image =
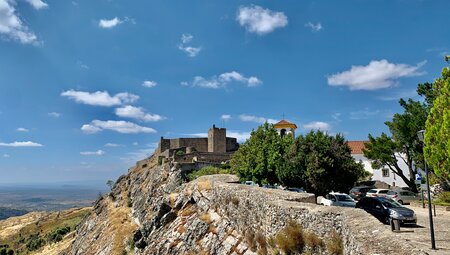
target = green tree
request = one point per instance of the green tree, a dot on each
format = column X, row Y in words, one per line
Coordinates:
column 261, row 155
column 321, row 163
column 437, row 135
column 110, row 184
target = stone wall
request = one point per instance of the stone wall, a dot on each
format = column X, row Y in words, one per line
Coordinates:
column 232, row 144
column 217, row 139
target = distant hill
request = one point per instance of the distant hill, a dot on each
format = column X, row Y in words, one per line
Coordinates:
column 6, row 212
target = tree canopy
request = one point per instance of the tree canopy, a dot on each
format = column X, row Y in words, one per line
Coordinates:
column 317, row 161
column 437, row 135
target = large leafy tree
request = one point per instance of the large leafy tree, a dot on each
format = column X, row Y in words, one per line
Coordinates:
column 261, row 156
column 437, row 135
column 321, row 163
column 403, row 145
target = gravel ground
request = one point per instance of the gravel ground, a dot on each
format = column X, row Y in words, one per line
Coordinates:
column 420, row 236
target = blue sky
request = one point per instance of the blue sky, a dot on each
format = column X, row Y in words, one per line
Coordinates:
column 88, row 87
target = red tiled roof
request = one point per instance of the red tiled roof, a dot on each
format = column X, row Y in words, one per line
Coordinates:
column 356, row 146
column 284, row 122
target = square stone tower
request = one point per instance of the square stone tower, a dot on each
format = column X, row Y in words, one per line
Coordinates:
column 217, row 139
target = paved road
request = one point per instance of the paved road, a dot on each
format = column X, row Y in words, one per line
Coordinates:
column 420, row 236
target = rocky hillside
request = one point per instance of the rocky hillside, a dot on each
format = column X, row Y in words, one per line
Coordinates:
column 153, row 210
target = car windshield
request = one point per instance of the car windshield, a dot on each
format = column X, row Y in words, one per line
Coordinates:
column 390, row 203
column 344, row 198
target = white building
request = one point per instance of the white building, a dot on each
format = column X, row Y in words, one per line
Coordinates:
column 385, row 174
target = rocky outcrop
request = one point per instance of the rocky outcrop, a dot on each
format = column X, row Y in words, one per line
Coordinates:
column 153, row 210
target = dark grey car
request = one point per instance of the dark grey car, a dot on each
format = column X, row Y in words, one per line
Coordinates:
column 386, row 209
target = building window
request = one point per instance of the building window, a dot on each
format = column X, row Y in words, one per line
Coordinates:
column 385, row 172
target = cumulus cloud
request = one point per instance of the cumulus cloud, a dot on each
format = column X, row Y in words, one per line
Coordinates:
column 149, row 84
column 314, row 27
column 109, row 23
column 189, row 50
column 240, row 136
column 261, row 21
column 317, row 125
column 37, row 4
column 225, row 117
column 112, row 145
column 120, row 126
column 100, row 98
column 377, row 74
column 12, row 27
column 21, row 144
column 92, row 153
column 252, row 118
column 221, row 81
column 54, row 114
column 21, row 129
column 138, row 113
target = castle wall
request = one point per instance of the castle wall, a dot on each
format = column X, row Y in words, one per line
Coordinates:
column 217, row 139
column 231, row 144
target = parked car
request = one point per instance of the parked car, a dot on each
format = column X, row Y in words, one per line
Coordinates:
column 293, row 189
column 377, row 193
column 336, row 199
column 402, row 196
column 250, row 183
column 385, row 210
column 359, row 192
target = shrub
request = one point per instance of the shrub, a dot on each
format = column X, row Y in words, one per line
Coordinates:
column 250, row 239
column 335, row 245
column 179, row 153
column 313, row 241
column 57, row 234
column 129, row 202
column 290, row 239
column 208, row 170
column 443, row 198
column 34, row 242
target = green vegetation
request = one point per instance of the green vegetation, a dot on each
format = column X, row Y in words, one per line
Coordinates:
column 48, row 229
column 179, row 153
column 110, row 184
column 443, row 199
column 317, row 161
column 437, row 135
column 208, row 170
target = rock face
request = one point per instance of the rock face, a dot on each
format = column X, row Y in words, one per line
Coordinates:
column 152, row 210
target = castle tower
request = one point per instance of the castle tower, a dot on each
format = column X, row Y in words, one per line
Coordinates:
column 285, row 127
column 217, row 139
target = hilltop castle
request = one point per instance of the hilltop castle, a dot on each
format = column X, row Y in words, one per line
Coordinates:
column 215, row 149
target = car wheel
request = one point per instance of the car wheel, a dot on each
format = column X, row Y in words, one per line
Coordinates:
column 400, row 201
column 387, row 220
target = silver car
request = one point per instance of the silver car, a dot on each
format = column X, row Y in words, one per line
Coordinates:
column 402, row 196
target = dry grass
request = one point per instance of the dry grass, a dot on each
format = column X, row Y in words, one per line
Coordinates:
column 206, row 217
column 290, row 239
column 181, row 229
column 188, row 211
column 120, row 226
column 262, row 243
column 204, row 185
column 173, row 198
column 313, row 241
column 250, row 240
column 335, row 245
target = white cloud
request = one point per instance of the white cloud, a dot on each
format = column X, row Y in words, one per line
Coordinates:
column 337, row 116
column 12, row 27
column 314, row 27
column 363, row 114
column 109, row 23
column 100, row 98
column 54, row 114
column 377, row 74
column 37, row 4
column 399, row 94
column 223, row 80
column 21, row 129
column 120, row 126
column 225, row 117
column 259, row 20
column 317, row 125
column 6, row 155
column 138, row 113
column 186, row 38
column 112, row 145
column 149, row 84
column 92, row 153
column 135, row 143
column 241, row 136
column 189, row 50
column 251, row 118
column 21, row 144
